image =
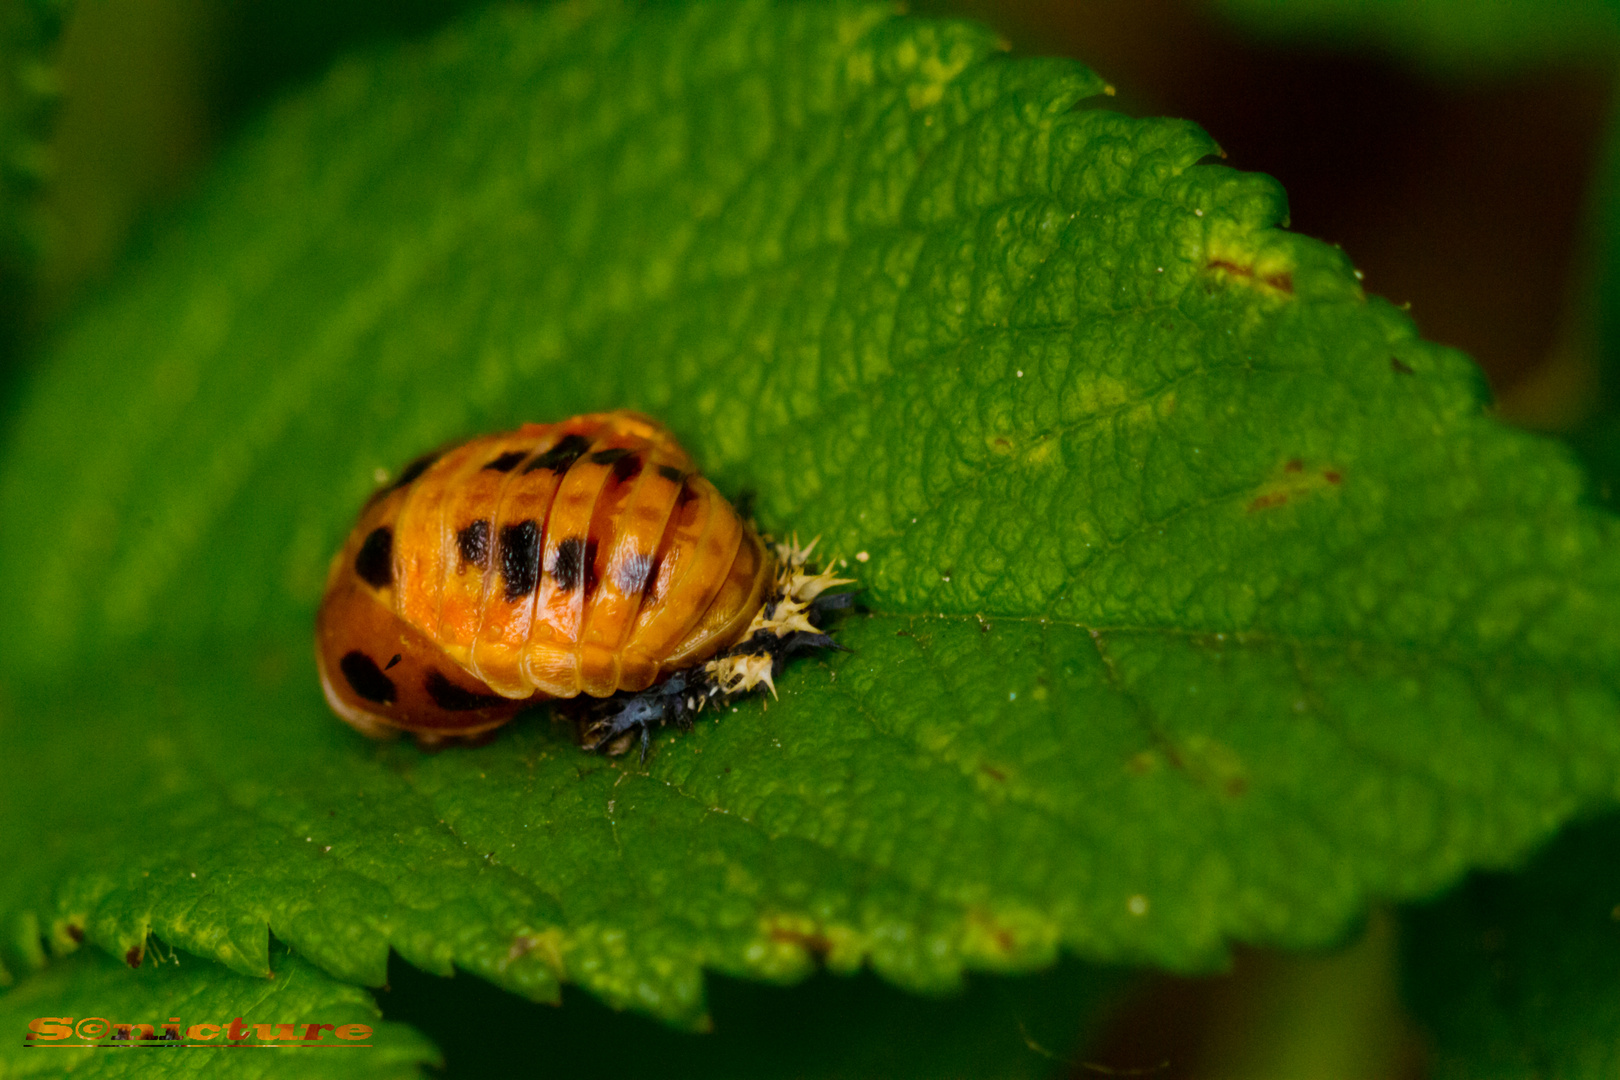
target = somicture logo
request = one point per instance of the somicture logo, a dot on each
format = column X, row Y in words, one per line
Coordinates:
column 94, row 1031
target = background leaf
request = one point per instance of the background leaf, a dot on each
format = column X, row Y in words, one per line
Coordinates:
column 1515, row 974
column 91, row 984
column 1449, row 35
column 1205, row 601
column 28, row 31
column 28, row 90
column 1597, row 437
column 826, row 1026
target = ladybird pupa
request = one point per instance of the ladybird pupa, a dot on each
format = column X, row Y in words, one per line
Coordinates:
column 582, row 558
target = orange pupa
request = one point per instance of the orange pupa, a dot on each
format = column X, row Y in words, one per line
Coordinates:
column 587, row 557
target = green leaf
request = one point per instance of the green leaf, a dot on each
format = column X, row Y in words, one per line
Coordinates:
column 1205, row 601
column 1450, row 35
column 1515, row 975
column 91, row 986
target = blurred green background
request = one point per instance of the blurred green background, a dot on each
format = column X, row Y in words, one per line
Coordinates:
column 1464, row 188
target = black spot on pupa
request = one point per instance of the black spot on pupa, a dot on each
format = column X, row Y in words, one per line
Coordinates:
column 671, row 473
column 627, row 468
column 452, row 698
column 591, row 577
column 520, row 558
column 562, row 456
column 686, row 495
column 473, row 542
column 375, row 561
column 610, row 455
column 567, row 563
column 507, row 461
column 365, row 678
column 653, row 569
column 634, row 573
column 390, row 665
column 416, row 468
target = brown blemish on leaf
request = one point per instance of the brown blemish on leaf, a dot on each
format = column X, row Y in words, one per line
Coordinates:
column 921, row 640
column 1268, row 500
column 1292, row 481
column 1399, row 366
column 547, row 945
column 991, row 771
column 75, row 932
column 987, row 930
column 1280, row 281
column 799, row 937
column 813, row 941
column 134, row 955
column 1211, row 764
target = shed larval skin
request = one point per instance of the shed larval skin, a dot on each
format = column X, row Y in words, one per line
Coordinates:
column 583, row 557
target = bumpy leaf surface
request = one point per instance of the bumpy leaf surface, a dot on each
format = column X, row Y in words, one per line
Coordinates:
column 1204, row 600
column 1515, row 974
column 91, row 986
